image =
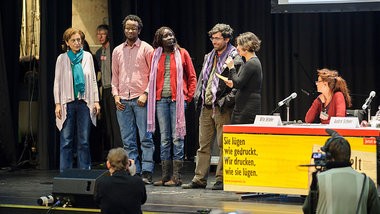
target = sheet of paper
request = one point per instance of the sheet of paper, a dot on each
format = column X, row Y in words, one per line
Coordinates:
column 221, row 77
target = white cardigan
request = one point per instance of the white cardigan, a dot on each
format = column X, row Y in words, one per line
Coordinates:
column 64, row 89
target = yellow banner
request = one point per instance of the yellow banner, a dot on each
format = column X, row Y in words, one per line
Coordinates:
column 273, row 160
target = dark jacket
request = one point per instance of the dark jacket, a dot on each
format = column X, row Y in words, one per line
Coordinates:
column 225, row 96
column 120, row 193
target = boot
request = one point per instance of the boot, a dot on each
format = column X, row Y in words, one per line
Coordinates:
column 166, row 168
column 177, row 171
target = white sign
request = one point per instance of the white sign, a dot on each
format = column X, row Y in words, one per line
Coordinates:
column 267, row 120
column 344, row 122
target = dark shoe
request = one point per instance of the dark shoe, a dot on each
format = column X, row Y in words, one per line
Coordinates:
column 173, row 182
column 193, row 185
column 218, row 186
column 147, row 177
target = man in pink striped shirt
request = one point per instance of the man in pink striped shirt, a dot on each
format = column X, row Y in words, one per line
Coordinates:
column 130, row 78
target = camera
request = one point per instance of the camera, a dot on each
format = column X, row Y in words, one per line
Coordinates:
column 319, row 158
column 45, row 200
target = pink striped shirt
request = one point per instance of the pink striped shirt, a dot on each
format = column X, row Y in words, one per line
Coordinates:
column 130, row 69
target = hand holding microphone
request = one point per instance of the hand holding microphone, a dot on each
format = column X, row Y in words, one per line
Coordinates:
column 228, row 63
column 230, row 60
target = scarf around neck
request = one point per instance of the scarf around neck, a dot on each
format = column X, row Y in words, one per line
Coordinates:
column 219, row 69
column 78, row 76
column 180, row 112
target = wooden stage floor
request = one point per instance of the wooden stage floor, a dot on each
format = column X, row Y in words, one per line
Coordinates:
column 20, row 189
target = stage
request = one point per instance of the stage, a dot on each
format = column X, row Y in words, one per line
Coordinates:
column 20, row 189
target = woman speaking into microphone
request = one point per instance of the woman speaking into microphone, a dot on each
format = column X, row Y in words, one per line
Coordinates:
column 248, row 81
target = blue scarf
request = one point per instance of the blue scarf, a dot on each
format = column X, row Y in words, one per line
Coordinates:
column 78, row 76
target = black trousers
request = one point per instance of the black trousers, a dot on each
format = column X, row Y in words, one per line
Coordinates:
column 113, row 137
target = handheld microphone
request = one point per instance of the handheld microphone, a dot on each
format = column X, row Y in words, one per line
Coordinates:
column 288, row 99
column 232, row 55
column 369, row 100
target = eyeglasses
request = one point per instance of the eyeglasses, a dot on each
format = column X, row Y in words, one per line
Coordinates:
column 131, row 28
column 75, row 40
column 215, row 38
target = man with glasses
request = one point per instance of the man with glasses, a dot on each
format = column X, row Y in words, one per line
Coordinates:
column 130, row 77
column 215, row 100
column 103, row 56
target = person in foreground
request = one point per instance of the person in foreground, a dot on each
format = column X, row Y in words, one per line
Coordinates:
column 76, row 99
column 248, row 80
column 120, row 193
column 341, row 189
column 172, row 85
column 332, row 101
column 215, row 101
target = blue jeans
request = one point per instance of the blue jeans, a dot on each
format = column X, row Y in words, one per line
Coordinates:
column 78, row 117
column 131, row 116
column 166, row 115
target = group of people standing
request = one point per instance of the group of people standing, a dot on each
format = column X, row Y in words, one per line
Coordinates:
column 141, row 83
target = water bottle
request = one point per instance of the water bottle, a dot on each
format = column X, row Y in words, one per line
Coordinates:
column 377, row 115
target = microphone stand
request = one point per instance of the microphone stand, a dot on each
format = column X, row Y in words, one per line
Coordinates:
column 369, row 112
column 275, row 110
column 287, row 111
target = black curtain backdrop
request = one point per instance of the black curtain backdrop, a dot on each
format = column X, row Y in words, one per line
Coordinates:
column 347, row 42
column 10, row 27
column 293, row 46
column 55, row 19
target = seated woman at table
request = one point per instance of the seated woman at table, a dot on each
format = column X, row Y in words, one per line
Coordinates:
column 333, row 99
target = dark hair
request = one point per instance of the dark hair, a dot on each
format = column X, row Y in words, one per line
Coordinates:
column 340, row 150
column 69, row 32
column 103, row 27
column 157, row 41
column 225, row 29
column 335, row 83
column 133, row 18
column 249, row 41
column 118, row 158
column 86, row 46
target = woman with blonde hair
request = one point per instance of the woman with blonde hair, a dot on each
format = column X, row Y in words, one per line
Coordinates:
column 332, row 101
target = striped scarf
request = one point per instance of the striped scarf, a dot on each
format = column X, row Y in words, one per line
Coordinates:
column 180, row 113
column 219, row 69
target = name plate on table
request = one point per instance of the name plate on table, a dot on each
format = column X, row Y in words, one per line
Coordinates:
column 344, row 122
column 267, row 120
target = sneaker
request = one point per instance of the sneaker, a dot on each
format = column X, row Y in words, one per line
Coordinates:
column 218, row 185
column 193, row 185
column 147, row 177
